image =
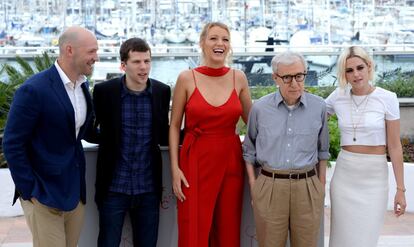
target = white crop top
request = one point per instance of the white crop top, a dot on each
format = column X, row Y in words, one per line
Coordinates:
column 365, row 125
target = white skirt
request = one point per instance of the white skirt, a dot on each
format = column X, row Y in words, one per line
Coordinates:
column 359, row 196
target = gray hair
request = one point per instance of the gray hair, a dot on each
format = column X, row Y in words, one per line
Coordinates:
column 288, row 58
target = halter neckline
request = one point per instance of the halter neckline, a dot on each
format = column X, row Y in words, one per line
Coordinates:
column 205, row 70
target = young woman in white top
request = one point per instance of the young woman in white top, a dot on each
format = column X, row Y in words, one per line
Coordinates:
column 368, row 119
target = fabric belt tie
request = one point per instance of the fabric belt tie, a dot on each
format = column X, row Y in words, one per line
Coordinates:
column 190, row 139
column 290, row 175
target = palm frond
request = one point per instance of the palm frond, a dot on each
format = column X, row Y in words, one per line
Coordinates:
column 7, row 91
column 15, row 77
column 26, row 69
column 12, row 72
column 2, row 69
column 42, row 62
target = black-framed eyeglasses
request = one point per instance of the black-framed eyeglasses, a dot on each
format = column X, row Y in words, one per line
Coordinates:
column 287, row 79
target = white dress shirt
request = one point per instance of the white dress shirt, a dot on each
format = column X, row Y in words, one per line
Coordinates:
column 76, row 96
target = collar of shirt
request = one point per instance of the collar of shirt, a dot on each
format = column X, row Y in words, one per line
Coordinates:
column 125, row 91
column 65, row 79
column 279, row 99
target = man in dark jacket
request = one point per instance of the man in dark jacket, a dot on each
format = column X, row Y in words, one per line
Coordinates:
column 131, row 123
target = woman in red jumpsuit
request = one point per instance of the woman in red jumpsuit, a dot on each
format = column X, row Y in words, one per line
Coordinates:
column 208, row 170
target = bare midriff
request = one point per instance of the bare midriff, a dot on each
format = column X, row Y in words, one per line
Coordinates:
column 365, row 149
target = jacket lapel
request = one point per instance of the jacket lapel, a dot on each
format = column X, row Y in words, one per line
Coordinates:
column 62, row 95
column 155, row 98
column 88, row 99
column 116, row 109
column 89, row 112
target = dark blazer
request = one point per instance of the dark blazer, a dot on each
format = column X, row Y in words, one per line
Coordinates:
column 44, row 155
column 107, row 104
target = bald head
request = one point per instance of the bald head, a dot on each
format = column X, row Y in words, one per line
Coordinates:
column 77, row 52
column 74, row 35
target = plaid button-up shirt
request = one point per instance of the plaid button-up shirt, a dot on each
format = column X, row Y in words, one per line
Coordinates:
column 134, row 172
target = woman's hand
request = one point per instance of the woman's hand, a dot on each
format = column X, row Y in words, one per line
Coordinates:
column 178, row 178
column 399, row 203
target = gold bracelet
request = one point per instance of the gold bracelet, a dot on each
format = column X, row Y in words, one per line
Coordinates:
column 402, row 189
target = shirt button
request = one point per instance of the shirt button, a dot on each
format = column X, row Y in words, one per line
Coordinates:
column 290, row 129
column 287, row 161
column 290, row 114
column 288, row 144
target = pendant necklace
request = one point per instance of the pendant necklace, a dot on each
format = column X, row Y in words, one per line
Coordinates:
column 353, row 102
column 357, row 105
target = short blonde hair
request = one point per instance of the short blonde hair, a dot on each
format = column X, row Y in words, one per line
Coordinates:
column 204, row 34
column 353, row 51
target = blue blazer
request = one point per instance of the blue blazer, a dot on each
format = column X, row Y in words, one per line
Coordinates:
column 45, row 157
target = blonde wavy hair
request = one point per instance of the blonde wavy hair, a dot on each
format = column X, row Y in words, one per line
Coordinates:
column 203, row 36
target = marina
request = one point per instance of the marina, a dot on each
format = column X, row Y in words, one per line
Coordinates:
column 259, row 29
column 319, row 29
column 170, row 22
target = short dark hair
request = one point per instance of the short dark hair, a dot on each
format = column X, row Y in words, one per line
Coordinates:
column 133, row 44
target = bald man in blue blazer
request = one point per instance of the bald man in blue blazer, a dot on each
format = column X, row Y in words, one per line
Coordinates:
column 49, row 116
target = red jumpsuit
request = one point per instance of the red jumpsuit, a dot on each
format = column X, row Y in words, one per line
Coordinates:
column 211, row 159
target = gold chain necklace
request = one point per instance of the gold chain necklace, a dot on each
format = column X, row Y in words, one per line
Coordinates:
column 355, row 125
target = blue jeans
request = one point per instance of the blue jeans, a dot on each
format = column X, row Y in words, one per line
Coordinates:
column 144, row 213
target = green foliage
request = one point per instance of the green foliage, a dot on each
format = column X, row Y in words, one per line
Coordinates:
column 408, row 149
column 401, row 84
column 323, row 92
column 3, row 162
column 25, row 67
column 43, row 62
column 259, row 91
column 15, row 77
column 6, row 96
column 334, row 137
column 241, row 127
